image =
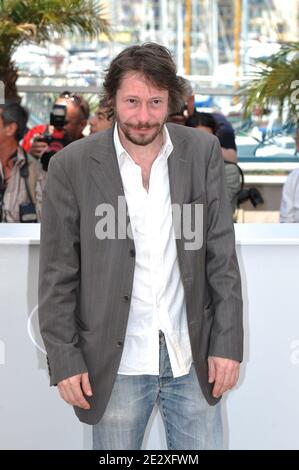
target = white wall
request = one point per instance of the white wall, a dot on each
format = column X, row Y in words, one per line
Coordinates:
column 262, row 413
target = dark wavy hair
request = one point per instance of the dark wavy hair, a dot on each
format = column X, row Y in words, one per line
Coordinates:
column 149, row 59
column 202, row 119
column 14, row 112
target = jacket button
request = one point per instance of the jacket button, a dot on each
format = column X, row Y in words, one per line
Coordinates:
column 132, row 252
column 126, row 298
column 120, row 344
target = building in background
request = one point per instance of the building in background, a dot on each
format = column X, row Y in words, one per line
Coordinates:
column 214, row 43
column 202, row 35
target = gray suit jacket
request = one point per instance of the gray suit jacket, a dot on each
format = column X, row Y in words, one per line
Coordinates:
column 85, row 283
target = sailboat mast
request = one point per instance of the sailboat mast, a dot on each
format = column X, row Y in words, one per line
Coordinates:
column 188, row 25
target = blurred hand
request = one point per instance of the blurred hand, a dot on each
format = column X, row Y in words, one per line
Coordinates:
column 224, row 373
column 38, row 148
column 73, row 389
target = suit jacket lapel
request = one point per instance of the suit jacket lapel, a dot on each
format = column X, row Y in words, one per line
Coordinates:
column 105, row 171
column 178, row 169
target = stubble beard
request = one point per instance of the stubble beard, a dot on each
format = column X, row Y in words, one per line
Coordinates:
column 142, row 140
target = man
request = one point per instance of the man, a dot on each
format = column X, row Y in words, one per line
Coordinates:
column 226, row 136
column 234, row 178
column 186, row 105
column 18, row 171
column 133, row 314
column 77, row 114
column 101, row 120
column 225, row 131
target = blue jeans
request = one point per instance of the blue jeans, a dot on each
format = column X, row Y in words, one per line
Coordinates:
column 190, row 422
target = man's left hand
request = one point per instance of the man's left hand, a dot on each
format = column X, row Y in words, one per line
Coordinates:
column 224, row 373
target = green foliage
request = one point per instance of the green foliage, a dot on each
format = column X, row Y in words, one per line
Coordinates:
column 272, row 82
column 36, row 21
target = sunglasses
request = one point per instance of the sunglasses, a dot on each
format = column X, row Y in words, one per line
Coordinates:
column 78, row 100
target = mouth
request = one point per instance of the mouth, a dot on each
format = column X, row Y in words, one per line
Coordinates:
column 142, row 129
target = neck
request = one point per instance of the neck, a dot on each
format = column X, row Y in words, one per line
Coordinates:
column 7, row 149
column 142, row 154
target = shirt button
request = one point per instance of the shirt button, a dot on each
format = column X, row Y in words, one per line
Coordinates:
column 126, row 298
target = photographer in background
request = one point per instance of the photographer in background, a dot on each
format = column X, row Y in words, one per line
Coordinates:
column 179, row 116
column 234, row 178
column 101, row 120
column 68, row 119
column 224, row 131
column 18, row 171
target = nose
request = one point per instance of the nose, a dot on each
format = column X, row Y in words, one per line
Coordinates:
column 143, row 114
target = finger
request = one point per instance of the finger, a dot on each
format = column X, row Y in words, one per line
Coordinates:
column 41, row 147
column 235, row 377
column 86, row 385
column 79, row 399
column 70, row 390
column 212, row 370
column 62, row 394
column 66, row 393
column 219, row 380
column 227, row 381
column 37, row 151
column 230, row 378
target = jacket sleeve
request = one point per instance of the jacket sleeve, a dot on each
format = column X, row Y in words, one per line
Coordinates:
column 59, row 275
column 222, row 269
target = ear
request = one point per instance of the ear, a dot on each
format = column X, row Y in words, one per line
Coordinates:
column 190, row 105
column 11, row 129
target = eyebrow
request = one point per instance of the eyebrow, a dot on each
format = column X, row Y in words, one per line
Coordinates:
column 151, row 98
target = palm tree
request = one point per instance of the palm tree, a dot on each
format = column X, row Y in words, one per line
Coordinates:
column 276, row 81
column 35, row 21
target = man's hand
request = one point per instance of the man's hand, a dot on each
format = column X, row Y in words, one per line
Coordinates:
column 38, row 147
column 224, row 372
column 73, row 388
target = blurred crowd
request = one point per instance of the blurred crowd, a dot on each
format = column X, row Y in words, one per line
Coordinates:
column 25, row 153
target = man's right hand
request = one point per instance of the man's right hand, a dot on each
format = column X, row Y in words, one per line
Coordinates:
column 73, row 389
column 38, row 147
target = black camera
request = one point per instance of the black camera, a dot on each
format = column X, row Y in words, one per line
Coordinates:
column 57, row 139
column 251, row 194
column 58, row 116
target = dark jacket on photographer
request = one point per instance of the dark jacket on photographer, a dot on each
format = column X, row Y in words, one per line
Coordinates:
column 29, row 136
column 20, row 193
column 234, row 182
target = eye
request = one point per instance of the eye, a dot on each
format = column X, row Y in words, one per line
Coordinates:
column 156, row 103
column 131, row 100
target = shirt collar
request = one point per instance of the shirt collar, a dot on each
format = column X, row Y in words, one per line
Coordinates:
column 121, row 152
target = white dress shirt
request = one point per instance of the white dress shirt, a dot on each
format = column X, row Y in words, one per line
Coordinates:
column 289, row 208
column 158, row 300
